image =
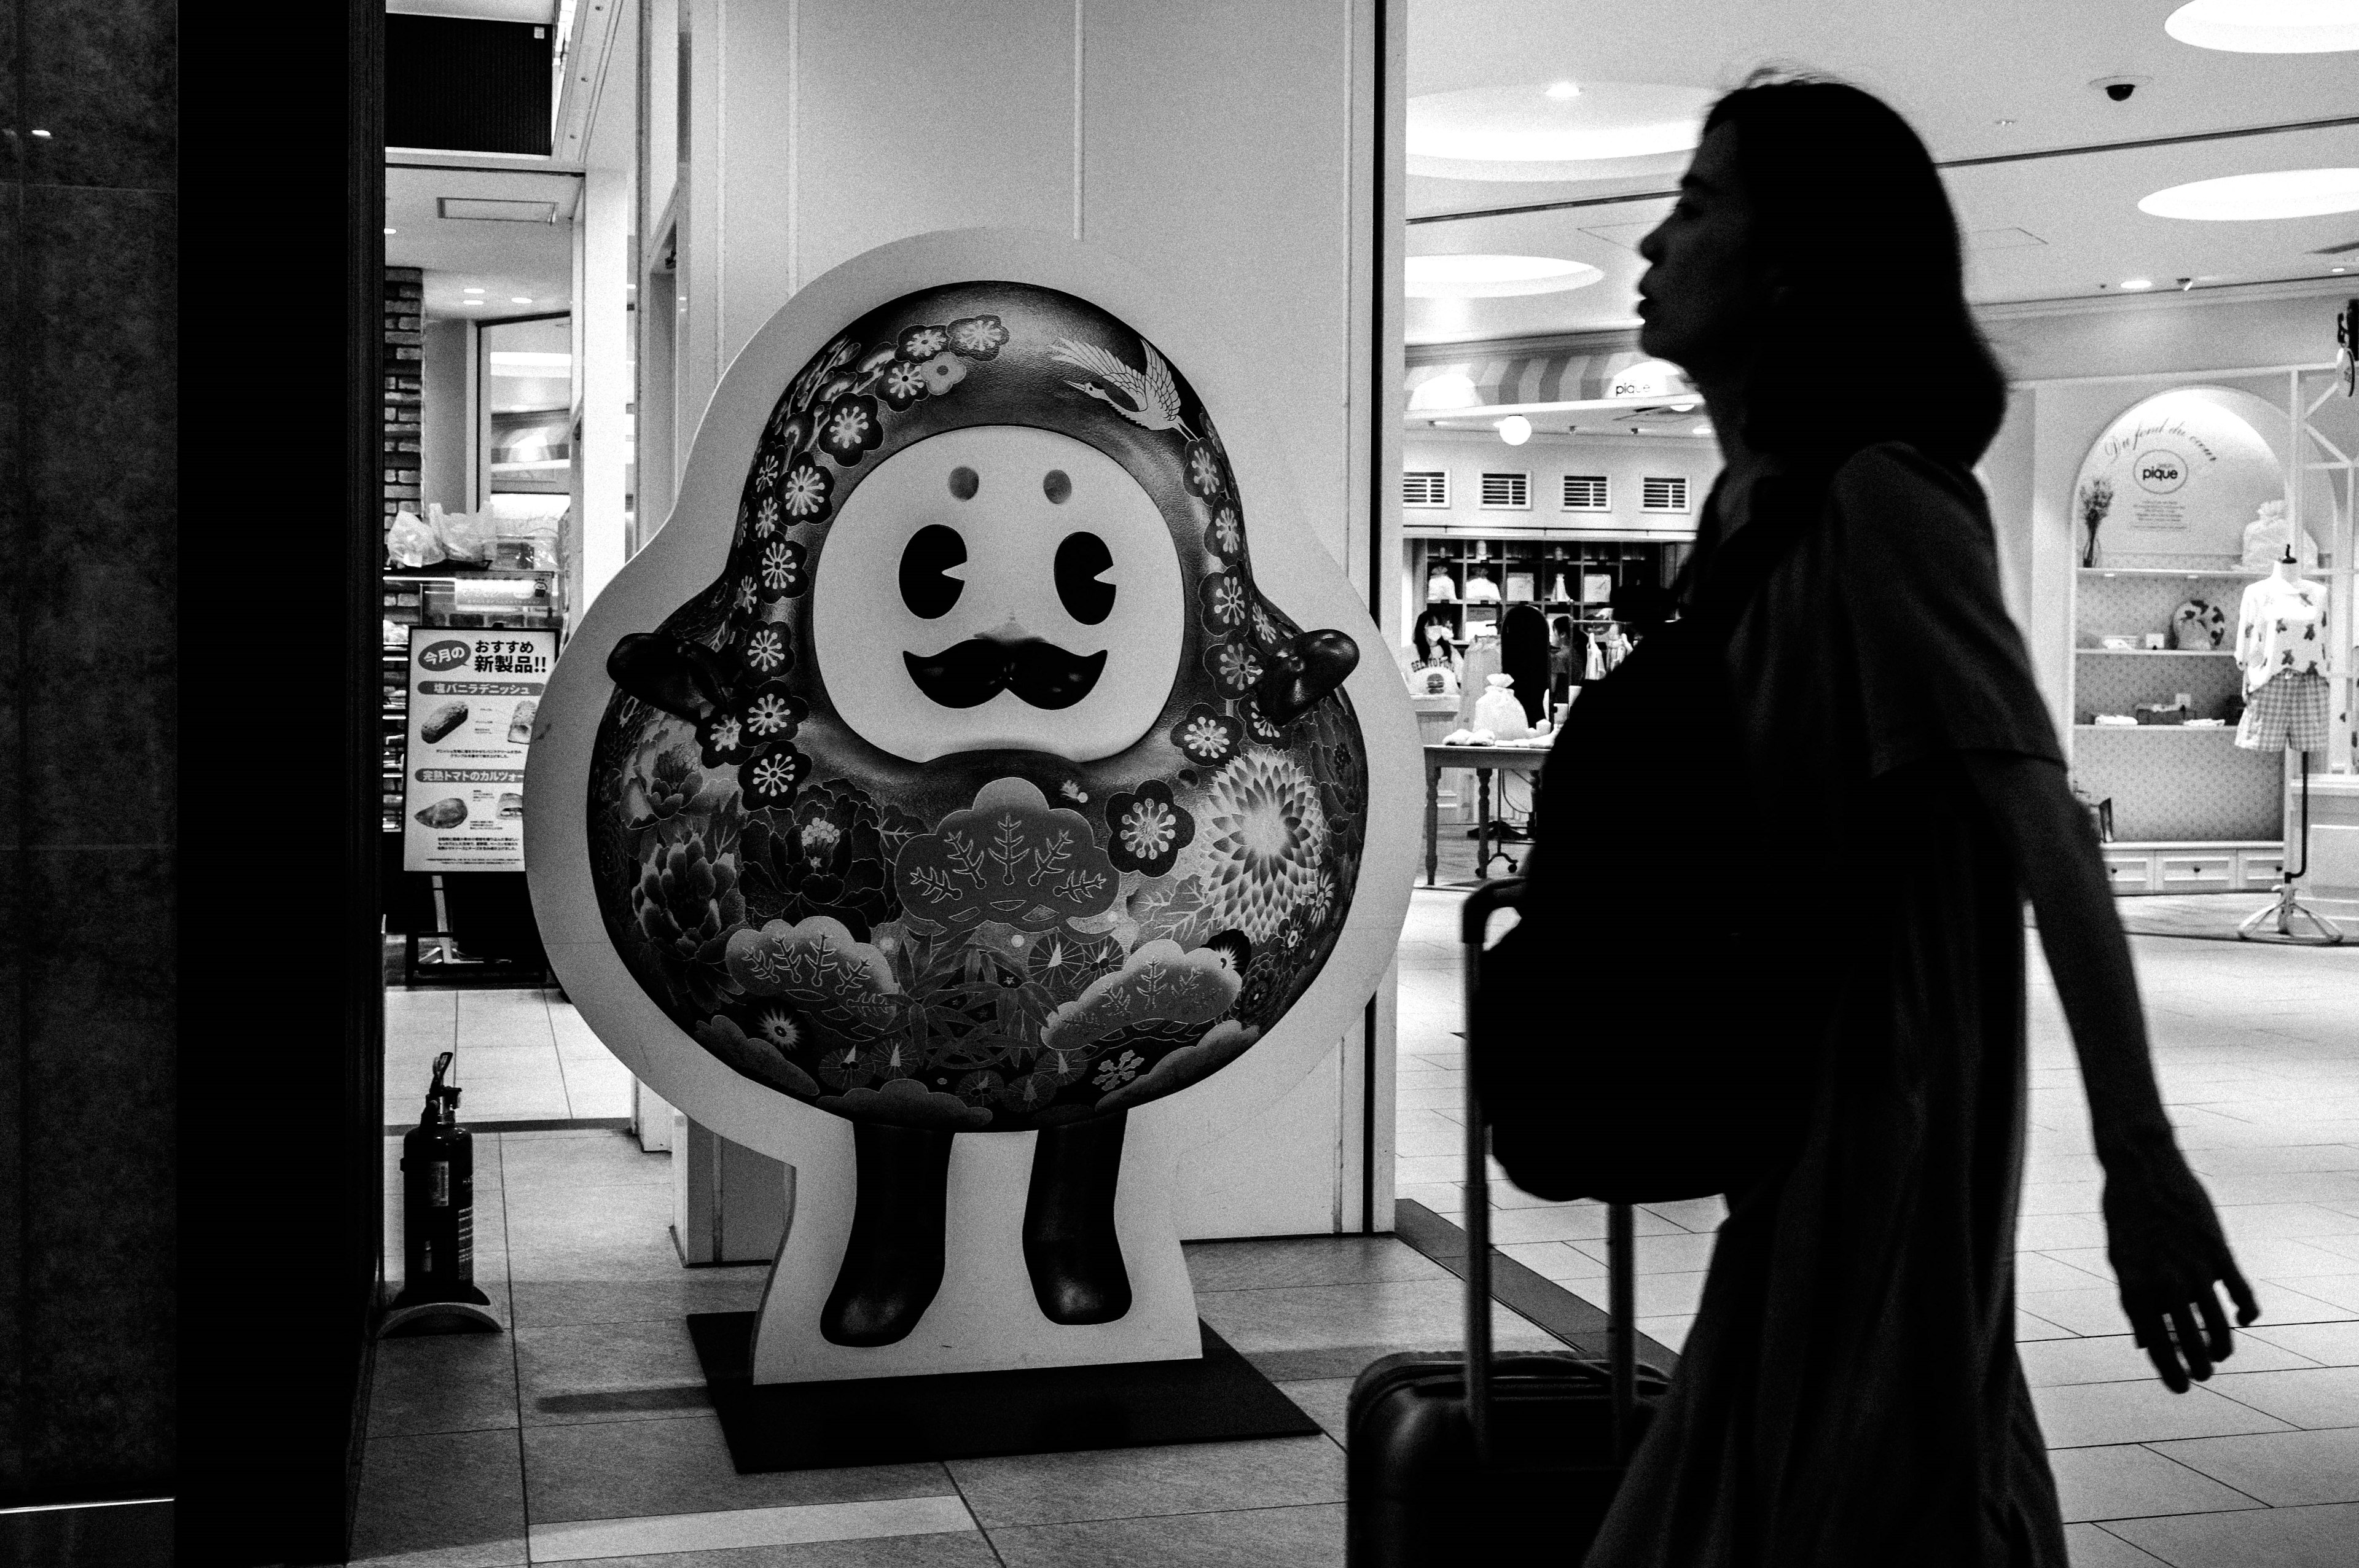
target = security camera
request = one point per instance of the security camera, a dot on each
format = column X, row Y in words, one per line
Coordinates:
column 2118, row 88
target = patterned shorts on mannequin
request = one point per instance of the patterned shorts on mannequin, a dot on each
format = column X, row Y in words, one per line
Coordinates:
column 2286, row 715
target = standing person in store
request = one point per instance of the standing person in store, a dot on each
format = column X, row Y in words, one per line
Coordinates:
column 1524, row 658
column 1849, row 1391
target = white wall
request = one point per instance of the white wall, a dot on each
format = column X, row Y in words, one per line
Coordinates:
column 1225, row 144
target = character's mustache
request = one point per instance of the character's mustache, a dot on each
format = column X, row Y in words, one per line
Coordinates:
column 969, row 674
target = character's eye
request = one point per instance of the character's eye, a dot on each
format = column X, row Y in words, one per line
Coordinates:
column 965, row 482
column 1081, row 559
column 1056, row 484
column 931, row 559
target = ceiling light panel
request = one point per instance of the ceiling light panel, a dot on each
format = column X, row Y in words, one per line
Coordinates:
column 2267, row 26
column 2251, row 198
column 1532, row 132
column 491, row 210
column 1484, row 276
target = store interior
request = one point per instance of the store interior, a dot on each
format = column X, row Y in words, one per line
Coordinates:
column 2177, row 423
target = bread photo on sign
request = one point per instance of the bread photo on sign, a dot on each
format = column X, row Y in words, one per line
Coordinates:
column 442, row 721
column 448, row 812
column 520, row 721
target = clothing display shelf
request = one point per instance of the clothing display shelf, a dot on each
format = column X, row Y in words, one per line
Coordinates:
column 1543, row 563
column 2193, row 812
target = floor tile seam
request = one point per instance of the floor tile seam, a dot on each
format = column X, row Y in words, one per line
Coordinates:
column 1175, row 1513
column 967, row 1503
column 2149, row 1446
column 515, row 1354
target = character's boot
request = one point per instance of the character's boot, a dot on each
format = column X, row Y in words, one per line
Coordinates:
column 1070, row 1247
column 893, row 1264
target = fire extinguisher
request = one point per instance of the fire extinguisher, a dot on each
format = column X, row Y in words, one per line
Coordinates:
column 438, row 1210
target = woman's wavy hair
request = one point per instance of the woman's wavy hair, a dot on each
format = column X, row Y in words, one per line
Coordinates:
column 1848, row 211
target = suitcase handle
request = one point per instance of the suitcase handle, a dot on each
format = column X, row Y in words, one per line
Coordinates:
column 1474, row 923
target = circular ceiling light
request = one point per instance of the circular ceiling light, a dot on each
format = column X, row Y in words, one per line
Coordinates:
column 1493, row 277
column 1536, row 130
column 2267, row 26
column 2245, row 198
column 2138, row 283
column 1515, row 429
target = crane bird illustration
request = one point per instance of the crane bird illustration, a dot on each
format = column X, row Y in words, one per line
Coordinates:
column 1153, row 396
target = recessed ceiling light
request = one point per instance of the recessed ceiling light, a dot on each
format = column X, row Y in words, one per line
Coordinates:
column 43, row 134
column 470, row 290
column 391, row 230
column 471, row 302
column 1493, row 277
column 2267, row 26
column 2138, row 283
column 519, row 298
column 2247, row 198
column 1537, row 132
column 2002, row 121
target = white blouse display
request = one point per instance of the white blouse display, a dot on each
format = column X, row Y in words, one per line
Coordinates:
column 2281, row 629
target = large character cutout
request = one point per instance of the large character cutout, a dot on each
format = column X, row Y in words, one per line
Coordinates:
column 983, row 791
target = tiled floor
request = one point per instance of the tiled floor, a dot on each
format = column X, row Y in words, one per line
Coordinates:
column 583, row 1432
column 522, row 1055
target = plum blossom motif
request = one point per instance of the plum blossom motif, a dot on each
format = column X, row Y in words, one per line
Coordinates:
column 1235, row 666
column 806, row 490
column 805, row 388
column 942, row 373
column 1207, row 737
column 766, row 649
column 1117, row 1070
column 747, row 595
column 850, row 427
column 1222, row 536
column 782, row 568
column 722, row 739
column 1265, row 625
column 779, row 1027
column 1149, row 830
column 924, row 342
column 977, row 337
column 773, row 713
column 1223, row 599
column 765, row 517
column 904, row 383
column 766, row 473
column 1203, row 470
column 770, row 782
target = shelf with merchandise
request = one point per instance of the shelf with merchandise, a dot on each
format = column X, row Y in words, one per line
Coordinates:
column 2192, row 574
column 2156, row 652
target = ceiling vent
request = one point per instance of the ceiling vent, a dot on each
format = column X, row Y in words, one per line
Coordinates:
column 1663, row 493
column 1425, row 487
column 1587, row 492
column 1507, row 492
column 487, row 210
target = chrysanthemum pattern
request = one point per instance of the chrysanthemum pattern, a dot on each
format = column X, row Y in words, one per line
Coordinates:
column 1268, row 839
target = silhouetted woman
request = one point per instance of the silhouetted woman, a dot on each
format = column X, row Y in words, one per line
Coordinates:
column 1849, row 1391
column 1524, row 658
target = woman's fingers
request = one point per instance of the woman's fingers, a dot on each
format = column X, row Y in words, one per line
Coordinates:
column 2248, row 1310
column 2191, row 1343
column 2215, row 1325
column 2155, row 1339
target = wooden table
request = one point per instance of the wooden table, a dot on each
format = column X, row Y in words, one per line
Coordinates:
column 1525, row 758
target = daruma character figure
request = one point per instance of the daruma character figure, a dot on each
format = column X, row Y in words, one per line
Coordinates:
column 983, row 791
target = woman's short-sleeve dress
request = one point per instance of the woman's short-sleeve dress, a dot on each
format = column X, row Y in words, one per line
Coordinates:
column 1849, row 1391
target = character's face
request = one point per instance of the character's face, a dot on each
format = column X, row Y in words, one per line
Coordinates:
column 999, row 587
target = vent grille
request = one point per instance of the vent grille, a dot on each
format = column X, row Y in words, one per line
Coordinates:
column 1586, row 492
column 1507, row 491
column 1658, row 493
column 1425, row 487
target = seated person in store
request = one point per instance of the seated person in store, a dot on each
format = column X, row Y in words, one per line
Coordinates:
column 1850, row 1392
column 1430, row 648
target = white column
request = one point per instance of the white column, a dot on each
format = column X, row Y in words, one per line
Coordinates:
column 601, row 310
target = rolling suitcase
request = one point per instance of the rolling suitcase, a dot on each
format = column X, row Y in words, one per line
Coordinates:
column 1493, row 1459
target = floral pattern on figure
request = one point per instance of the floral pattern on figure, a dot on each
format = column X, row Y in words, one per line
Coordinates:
column 993, row 938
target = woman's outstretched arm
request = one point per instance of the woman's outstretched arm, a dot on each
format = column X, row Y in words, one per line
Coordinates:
column 2165, row 1241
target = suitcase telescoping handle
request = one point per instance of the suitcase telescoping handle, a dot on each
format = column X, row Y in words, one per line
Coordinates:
column 1474, row 923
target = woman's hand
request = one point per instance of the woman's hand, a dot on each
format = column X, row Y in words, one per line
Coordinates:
column 2169, row 1254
